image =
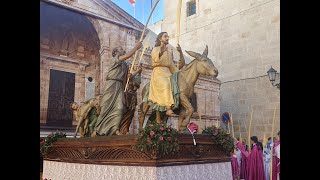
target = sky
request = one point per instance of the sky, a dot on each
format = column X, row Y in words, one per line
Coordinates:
column 142, row 10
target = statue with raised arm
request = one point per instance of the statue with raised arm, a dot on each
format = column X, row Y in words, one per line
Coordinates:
column 162, row 94
column 113, row 102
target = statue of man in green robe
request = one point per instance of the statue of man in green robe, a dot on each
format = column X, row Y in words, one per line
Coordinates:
column 113, row 102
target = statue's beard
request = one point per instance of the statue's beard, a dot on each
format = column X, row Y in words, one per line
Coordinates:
column 165, row 42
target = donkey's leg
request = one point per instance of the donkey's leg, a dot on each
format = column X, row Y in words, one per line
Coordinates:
column 187, row 105
column 182, row 115
column 81, row 131
column 144, row 110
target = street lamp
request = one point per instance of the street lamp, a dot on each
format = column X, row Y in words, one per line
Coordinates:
column 272, row 77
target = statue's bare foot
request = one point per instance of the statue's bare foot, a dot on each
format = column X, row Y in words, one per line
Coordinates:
column 169, row 112
column 185, row 123
column 118, row 132
column 182, row 129
column 94, row 134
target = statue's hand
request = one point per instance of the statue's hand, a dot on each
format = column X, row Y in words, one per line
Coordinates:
column 139, row 45
column 129, row 75
column 179, row 48
column 139, row 69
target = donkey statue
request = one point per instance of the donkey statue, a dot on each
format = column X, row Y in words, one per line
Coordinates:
column 187, row 78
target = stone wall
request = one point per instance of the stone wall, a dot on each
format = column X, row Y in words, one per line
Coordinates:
column 256, row 95
column 115, row 36
column 243, row 36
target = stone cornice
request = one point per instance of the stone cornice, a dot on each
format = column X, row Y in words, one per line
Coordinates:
column 62, row 58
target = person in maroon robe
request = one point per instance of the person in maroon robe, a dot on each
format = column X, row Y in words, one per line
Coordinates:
column 234, row 166
column 275, row 160
column 244, row 155
column 255, row 161
column 244, row 143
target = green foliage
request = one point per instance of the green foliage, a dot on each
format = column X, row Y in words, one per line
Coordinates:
column 220, row 136
column 159, row 139
column 49, row 140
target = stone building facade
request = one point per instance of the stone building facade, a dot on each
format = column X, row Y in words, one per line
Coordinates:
column 243, row 37
column 76, row 41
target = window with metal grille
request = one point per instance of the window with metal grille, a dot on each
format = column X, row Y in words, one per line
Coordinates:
column 191, row 8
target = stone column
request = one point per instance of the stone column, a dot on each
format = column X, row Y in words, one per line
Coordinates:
column 105, row 54
column 82, row 82
column 97, row 78
column 44, row 89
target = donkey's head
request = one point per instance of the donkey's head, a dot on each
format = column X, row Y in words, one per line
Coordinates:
column 204, row 65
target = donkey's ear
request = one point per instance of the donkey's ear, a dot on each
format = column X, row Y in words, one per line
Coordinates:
column 194, row 54
column 205, row 52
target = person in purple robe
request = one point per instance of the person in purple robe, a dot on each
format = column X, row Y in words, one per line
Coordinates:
column 276, row 159
column 255, row 161
column 244, row 155
column 244, row 143
column 234, row 166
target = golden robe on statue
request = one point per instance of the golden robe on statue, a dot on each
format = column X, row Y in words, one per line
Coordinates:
column 160, row 91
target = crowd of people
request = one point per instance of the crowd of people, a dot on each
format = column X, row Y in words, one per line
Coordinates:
column 260, row 162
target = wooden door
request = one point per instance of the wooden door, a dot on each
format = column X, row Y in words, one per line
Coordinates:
column 61, row 95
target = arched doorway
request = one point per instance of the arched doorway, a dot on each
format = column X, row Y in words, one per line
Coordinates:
column 70, row 64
